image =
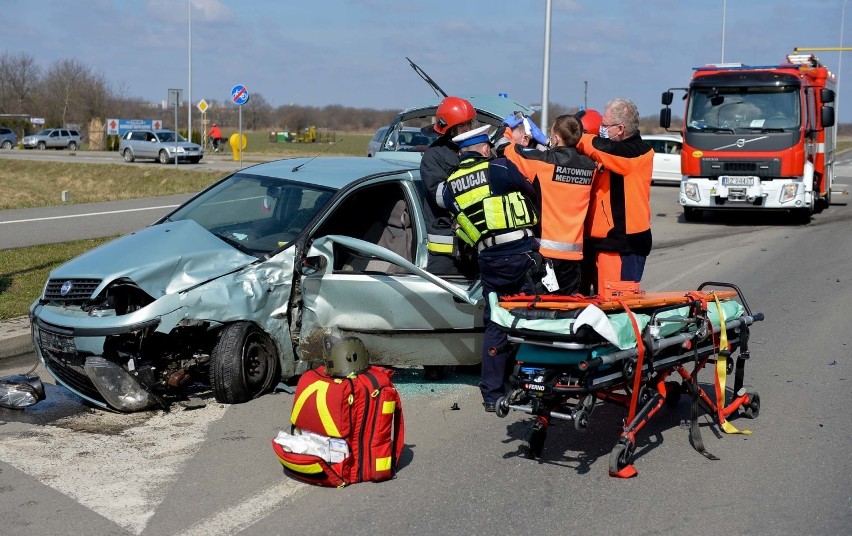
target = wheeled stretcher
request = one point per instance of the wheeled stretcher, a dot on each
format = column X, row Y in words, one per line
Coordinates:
column 574, row 352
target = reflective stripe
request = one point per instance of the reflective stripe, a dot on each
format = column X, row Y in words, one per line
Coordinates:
column 439, row 243
column 560, row 246
column 321, row 389
column 310, row 469
column 493, row 240
column 383, row 464
column 389, row 406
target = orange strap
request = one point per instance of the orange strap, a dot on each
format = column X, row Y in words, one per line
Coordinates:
column 640, row 359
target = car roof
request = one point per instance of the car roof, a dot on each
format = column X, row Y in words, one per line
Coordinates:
column 331, row 172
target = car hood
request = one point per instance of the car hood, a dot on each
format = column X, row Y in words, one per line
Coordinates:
column 161, row 259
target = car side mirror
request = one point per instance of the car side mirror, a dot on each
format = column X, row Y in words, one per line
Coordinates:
column 313, row 265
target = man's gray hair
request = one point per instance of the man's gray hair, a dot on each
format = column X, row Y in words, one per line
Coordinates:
column 624, row 112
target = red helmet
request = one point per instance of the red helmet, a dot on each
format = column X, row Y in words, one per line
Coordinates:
column 451, row 112
column 591, row 121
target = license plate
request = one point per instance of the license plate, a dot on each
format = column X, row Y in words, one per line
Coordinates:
column 737, row 181
column 57, row 343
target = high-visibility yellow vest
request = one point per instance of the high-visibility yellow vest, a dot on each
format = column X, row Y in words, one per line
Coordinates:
column 481, row 212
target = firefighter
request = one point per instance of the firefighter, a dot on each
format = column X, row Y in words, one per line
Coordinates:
column 453, row 117
column 563, row 181
column 494, row 212
column 619, row 219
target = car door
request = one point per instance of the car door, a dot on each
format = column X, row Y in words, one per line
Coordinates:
column 666, row 160
column 54, row 139
column 402, row 313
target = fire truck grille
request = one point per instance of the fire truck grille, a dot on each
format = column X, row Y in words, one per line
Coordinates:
column 765, row 169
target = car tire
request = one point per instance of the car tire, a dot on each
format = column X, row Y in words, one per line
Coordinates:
column 243, row 364
column 128, row 156
column 163, row 157
column 7, row 144
column 41, row 146
column 72, row 146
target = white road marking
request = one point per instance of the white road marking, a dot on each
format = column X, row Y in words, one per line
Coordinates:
column 121, row 466
column 255, row 508
column 89, row 214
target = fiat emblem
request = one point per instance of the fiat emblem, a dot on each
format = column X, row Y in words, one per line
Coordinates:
column 66, row 288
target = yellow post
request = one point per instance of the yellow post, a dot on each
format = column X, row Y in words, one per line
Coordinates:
column 237, row 145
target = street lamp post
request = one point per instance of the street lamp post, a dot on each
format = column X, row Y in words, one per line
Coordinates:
column 546, row 77
column 840, row 61
column 189, row 98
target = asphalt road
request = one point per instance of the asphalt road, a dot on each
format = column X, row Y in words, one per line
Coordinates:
column 68, row 469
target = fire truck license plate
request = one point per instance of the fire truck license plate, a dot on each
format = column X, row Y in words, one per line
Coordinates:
column 737, row 181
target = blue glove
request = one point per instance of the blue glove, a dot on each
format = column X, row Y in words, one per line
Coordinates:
column 512, row 120
column 536, row 133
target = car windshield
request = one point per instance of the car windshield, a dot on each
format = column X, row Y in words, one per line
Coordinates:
column 257, row 215
column 740, row 110
column 44, row 133
column 409, row 139
column 169, row 136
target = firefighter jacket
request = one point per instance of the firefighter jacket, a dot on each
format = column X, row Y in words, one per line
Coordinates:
column 563, row 180
column 493, row 205
column 438, row 162
column 620, row 211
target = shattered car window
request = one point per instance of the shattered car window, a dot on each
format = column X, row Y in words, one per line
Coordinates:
column 255, row 214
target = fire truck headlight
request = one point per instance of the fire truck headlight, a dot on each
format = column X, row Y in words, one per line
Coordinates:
column 690, row 190
column 788, row 193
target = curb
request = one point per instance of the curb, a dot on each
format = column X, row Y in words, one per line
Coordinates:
column 15, row 338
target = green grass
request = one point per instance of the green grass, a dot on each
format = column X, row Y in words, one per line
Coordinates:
column 24, row 271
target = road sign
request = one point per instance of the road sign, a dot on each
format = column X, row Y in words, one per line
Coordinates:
column 202, row 106
column 175, row 97
column 239, row 94
column 121, row 126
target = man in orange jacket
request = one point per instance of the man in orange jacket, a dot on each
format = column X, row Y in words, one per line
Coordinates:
column 618, row 227
column 563, row 181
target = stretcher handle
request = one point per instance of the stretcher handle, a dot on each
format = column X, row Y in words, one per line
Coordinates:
column 731, row 286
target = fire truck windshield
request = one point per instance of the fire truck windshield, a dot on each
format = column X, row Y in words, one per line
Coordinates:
column 743, row 109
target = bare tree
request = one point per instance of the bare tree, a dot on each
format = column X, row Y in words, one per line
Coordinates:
column 19, row 81
column 257, row 112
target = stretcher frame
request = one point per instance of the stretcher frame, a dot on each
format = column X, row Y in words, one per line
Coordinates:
column 635, row 378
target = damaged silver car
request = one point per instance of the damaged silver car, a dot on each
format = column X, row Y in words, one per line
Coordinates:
column 235, row 288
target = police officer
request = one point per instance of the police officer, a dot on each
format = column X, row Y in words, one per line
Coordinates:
column 620, row 212
column 563, row 179
column 494, row 212
column 453, row 117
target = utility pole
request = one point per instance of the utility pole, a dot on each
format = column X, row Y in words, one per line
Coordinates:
column 546, row 78
column 585, row 94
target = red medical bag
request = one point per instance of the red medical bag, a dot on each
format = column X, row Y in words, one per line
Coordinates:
column 364, row 410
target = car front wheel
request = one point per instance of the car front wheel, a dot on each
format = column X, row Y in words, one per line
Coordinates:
column 164, row 157
column 72, row 146
column 128, row 156
column 243, row 364
column 41, row 146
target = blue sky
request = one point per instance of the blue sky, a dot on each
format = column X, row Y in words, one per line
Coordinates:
column 353, row 53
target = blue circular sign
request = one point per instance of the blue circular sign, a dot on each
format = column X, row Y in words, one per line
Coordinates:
column 240, row 94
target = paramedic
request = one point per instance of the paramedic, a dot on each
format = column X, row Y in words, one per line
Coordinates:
column 563, row 181
column 216, row 135
column 620, row 211
column 477, row 194
column 453, row 117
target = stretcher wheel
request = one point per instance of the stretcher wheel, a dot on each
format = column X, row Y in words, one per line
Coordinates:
column 629, row 369
column 581, row 420
column 534, row 441
column 673, row 392
column 501, row 408
column 621, row 455
column 729, row 365
column 753, row 408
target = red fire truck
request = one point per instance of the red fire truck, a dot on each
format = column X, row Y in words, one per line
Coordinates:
column 757, row 138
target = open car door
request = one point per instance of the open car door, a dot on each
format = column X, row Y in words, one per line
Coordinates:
column 404, row 315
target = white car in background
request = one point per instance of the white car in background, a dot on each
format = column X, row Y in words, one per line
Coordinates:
column 667, row 148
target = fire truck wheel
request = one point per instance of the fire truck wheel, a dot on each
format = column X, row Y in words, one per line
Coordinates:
column 672, row 394
column 692, row 214
column 621, row 455
column 753, row 408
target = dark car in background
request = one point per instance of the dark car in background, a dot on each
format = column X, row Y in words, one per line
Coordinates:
column 163, row 146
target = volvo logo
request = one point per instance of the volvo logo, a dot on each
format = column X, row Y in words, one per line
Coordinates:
column 66, row 288
column 741, row 142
